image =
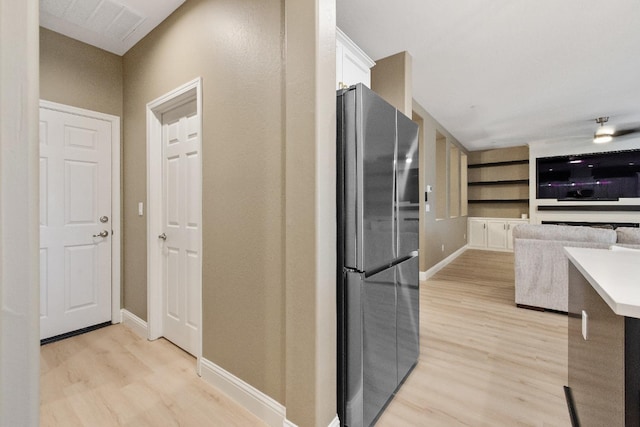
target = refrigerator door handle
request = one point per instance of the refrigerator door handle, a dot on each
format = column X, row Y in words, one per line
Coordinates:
column 396, row 202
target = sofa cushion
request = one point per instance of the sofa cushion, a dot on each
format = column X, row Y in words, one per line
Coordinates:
column 565, row 233
column 628, row 235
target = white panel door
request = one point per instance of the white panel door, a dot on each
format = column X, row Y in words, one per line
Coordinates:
column 181, row 216
column 75, row 193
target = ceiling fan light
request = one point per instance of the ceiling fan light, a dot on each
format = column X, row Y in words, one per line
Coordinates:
column 602, row 138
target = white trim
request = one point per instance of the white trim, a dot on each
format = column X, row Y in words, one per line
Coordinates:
column 135, row 323
column 116, row 236
column 354, row 48
column 155, row 108
column 252, row 399
column 424, row 275
column 334, row 423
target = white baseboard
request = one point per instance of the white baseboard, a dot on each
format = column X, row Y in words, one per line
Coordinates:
column 424, row 275
column 334, row 423
column 252, row 399
column 136, row 324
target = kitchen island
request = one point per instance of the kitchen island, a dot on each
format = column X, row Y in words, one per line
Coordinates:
column 604, row 337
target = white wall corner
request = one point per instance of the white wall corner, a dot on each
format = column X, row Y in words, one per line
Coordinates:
column 252, row 399
column 442, row 264
column 135, row 323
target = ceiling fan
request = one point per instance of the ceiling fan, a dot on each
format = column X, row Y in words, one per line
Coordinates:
column 606, row 134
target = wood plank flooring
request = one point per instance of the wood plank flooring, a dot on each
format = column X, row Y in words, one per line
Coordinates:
column 483, row 362
column 111, row 377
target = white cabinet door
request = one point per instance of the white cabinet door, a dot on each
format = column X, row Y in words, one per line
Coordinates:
column 496, row 234
column 478, row 233
column 354, row 70
column 352, row 64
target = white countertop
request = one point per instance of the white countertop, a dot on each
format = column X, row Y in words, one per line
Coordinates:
column 615, row 275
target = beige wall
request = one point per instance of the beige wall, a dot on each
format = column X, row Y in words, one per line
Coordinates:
column 450, row 232
column 236, row 48
column 310, row 214
column 268, row 179
column 77, row 74
column 269, row 187
column 392, row 78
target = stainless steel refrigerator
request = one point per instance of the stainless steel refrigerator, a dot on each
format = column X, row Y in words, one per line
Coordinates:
column 378, row 298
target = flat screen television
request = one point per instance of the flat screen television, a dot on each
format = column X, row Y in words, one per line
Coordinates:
column 606, row 176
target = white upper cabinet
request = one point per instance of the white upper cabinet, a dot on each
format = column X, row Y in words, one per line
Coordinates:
column 352, row 64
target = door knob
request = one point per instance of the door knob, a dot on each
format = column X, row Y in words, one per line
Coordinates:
column 103, row 233
column 162, row 236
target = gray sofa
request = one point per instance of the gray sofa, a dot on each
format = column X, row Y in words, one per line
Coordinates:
column 541, row 266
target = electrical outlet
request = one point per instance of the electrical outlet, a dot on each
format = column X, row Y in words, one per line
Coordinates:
column 585, row 319
column 464, row 236
column 443, row 247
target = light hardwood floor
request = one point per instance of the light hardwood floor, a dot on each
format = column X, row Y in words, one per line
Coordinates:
column 112, row 377
column 483, row 362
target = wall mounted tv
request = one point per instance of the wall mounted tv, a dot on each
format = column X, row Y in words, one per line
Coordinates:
column 606, row 176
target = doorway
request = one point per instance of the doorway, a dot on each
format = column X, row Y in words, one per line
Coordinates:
column 79, row 219
column 174, row 144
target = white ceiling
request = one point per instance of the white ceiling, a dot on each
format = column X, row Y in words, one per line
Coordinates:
column 113, row 25
column 494, row 73
column 499, row 73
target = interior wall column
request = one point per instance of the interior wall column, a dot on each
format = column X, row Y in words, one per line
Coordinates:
column 19, row 223
column 310, row 229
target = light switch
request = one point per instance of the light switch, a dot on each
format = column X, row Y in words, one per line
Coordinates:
column 585, row 318
column 140, row 209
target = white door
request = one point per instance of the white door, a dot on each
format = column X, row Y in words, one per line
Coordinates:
column 75, row 222
column 181, row 228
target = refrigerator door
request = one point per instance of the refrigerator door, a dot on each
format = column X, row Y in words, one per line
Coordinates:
column 408, row 208
column 408, row 316
column 380, row 369
column 372, row 374
column 368, row 146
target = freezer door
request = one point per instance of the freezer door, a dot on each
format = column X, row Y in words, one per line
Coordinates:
column 380, row 369
column 350, row 363
column 408, row 208
column 369, row 146
column 371, row 361
column 408, row 316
